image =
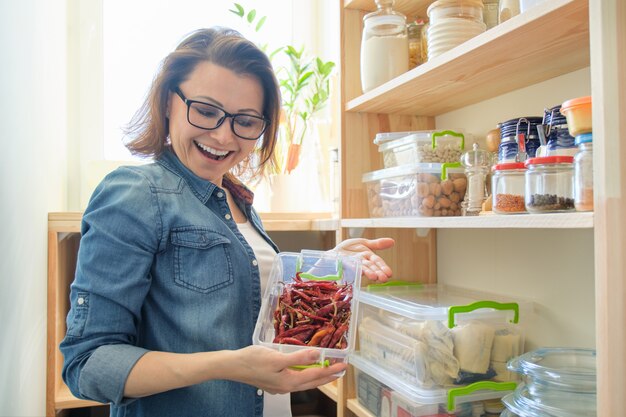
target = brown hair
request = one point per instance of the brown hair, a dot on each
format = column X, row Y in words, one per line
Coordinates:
column 222, row 46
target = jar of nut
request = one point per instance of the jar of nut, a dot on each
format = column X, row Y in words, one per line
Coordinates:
column 550, row 184
column 509, row 187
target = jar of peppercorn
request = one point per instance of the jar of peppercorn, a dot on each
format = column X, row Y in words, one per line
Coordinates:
column 550, row 184
column 508, row 185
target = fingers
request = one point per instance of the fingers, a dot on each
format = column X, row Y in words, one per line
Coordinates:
column 379, row 244
column 376, row 269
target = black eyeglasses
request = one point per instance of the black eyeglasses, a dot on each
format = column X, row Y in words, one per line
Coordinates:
column 209, row 117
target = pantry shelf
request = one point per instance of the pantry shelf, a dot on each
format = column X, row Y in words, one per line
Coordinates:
column 489, row 221
column 503, row 59
column 356, row 407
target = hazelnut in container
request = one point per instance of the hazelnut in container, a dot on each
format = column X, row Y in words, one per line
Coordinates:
column 430, row 190
column 311, row 303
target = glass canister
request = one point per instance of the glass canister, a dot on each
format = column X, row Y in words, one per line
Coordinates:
column 509, row 188
column 490, row 13
column 550, row 184
column 519, row 139
column 583, row 173
column 558, row 139
column 384, row 46
column 414, row 33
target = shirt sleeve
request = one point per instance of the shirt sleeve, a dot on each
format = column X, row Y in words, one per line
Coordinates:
column 121, row 233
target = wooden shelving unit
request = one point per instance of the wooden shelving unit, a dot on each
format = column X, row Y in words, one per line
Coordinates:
column 552, row 39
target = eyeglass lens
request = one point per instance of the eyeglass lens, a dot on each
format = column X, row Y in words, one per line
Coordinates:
column 209, row 117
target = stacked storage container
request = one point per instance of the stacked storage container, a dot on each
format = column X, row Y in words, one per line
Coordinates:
column 436, row 350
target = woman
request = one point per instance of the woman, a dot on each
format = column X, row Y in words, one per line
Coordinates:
column 172, row 255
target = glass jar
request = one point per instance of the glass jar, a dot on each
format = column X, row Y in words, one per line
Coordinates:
column 476, row 163
column 550, row 184
column 490, row 13
column 452, row 22
column 384, row 46
column 507, row 9
column 509, row 188
column 583, row 173
column 414, row 33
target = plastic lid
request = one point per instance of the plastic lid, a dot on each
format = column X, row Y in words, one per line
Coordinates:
column 550, row 160
column 411, row 169
column 383, row 137
column 509, row 165
column 584, row 138
column 576, row 102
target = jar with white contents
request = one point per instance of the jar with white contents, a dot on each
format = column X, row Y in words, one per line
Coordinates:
column 384, row 46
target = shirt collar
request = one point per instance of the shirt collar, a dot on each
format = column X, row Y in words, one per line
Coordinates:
column 201, row 187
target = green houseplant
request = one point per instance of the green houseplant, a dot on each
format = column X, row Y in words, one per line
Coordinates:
column 305, row 88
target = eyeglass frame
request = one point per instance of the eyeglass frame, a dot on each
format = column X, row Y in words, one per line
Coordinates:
column 188, row 102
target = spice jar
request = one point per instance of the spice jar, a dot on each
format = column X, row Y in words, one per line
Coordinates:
column 384, row 46
column 509, row 188
column 583, row 173
column 550, row 184
column 414, row 33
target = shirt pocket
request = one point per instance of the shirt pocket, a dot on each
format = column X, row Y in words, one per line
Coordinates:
column 202, row 260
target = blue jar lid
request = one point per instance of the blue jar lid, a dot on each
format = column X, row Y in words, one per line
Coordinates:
column 584, row 138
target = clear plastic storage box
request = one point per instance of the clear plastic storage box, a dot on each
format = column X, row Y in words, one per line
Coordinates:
column 427, row 146
column 439, row 336
column 416, row 190
column 319, row 284
column 393, row 397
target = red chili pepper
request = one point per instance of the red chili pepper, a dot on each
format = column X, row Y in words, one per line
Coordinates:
column 290, row 341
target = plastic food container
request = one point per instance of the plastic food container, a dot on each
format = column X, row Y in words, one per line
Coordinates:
column 311, row 267
column 416, row 190
column 550, row 184
column 434, row 336
column 397, row 398
column 428, row 146
column 578, row 114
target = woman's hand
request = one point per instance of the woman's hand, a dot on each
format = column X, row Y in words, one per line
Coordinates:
column 373, row 266
column 271, row 370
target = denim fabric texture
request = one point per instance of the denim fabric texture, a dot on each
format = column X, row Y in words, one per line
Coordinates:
column 161, row 266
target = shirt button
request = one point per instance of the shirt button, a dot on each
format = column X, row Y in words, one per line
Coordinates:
column 259, row 392
column 81, row 301
column 254, row 262
column 220, row 194
column 227, row 217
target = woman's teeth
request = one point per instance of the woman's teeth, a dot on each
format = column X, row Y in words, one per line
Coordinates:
column 212, row 153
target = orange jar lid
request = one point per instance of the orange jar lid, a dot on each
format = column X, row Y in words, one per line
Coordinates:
column 576, row 102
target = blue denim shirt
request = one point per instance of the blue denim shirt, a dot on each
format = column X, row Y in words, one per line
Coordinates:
column 161, row 266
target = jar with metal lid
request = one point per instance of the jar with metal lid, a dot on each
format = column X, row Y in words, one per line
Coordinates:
column 550, row 184
column 384, row 46
column 509, row 188
column 414, row 33
column 583, row 173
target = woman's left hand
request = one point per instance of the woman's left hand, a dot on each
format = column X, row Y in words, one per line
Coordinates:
column 373, row 266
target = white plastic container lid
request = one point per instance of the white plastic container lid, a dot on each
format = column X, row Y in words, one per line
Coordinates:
column 438, row 302
column 381, row 138
column 485, row 390
column 413, row 169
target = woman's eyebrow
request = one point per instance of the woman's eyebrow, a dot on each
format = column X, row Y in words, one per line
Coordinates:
column 217, row 103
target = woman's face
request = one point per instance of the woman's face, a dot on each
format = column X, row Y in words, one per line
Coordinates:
column 212, row 153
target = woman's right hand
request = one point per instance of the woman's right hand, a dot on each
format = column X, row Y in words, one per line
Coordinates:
column 271, row 370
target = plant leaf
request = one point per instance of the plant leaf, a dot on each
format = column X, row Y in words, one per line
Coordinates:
column 260, row 23
column 251, row 15
column 239, row 12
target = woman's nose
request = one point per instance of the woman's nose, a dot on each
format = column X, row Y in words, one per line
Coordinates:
column 224, row 133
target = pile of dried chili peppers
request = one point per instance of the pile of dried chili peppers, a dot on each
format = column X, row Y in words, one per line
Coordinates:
column 313, row 313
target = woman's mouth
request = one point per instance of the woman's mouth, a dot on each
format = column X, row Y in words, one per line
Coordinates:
column 211, row 153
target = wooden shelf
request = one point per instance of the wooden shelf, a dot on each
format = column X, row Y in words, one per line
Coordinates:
column 410, row 8
column 546, row 41
column 64, row 399
column 355, row 406
column 489, row 221
column 273, row 222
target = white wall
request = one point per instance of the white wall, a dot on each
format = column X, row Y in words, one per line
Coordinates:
column 32, row 182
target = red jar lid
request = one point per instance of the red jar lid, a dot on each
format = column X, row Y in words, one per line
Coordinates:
column 508, row 165
column 561, row 159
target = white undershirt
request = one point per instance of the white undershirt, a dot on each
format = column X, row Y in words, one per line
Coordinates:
column 278, row 405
